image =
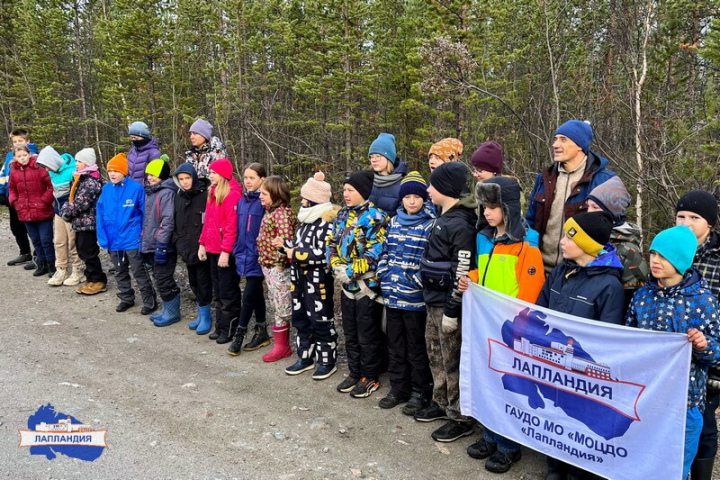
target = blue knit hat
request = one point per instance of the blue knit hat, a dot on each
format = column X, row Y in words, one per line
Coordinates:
column 413, row 184
column 140, row 129
column 384, row 145
column 579, row 132
column 678, row 245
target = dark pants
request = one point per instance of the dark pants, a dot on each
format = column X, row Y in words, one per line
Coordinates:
column 226, row 288
column 409, row 367
column 253, row 300
column 313, row 318
column 89, row 253
column 361, row 323
column 200, row 282
column 709, row 435
column 132, row 260
column 164, row 275
column 19, row 232
column 41, row 234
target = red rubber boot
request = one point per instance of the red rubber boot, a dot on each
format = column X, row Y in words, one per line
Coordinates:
column 281, row 344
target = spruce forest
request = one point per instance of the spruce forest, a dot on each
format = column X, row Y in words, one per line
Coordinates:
column 302, row 85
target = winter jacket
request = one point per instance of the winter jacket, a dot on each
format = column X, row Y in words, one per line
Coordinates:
column 449, row 254
column 220, row 228
column 159, row 218
column 356, row 243
column 385, row 193
column 707, row 263
column 189, row 214
column 31, row 191
column 399, row 267
column 142, row 153
column 626, row 238
column 5, row 172
column 203, row 156
column 61, row 172
column 593, row 291
column 250, row 214
column 280, row 222
column 543, row 192
column 689, row 304
column 120, row 215
column 81, row 209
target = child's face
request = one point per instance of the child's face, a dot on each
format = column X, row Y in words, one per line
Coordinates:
column 196, row 139
column 80, row 165
column 351, row 196
column 115, row 177
column 436, row 197
column 18, row 141
column 265, row 198
column 481, row 175
column 136, row 138
column 592, row 206
column 434, row 161
column 662, row 269
column 22, row 157
column 214, row 178
column 570, row 249
column 379, row 164
column 153, row 180
column 494, row 216
column 699, row 226
column 251, row 180
column 412, row 203
column 185, row 180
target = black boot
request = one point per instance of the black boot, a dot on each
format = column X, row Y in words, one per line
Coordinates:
column 260, row 339
column 702, row 469
column 51, row 269
column 236, row 345
column 42, row 268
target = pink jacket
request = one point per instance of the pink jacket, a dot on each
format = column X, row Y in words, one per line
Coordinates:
column 220, row 226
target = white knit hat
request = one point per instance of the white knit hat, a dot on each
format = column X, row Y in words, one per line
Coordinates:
column 86, row 156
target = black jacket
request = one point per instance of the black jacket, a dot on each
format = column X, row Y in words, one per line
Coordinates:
column 189, row 216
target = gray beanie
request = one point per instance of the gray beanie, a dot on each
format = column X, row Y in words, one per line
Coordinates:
column 202, row 127
column 86, row 156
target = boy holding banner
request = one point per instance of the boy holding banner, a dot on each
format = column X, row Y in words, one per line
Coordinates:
column 676, row 299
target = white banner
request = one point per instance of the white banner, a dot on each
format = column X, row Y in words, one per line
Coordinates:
column 608, row 399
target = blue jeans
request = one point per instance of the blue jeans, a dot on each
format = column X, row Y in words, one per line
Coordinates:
column 693, row 427
column 504, row 445
column 41, row 234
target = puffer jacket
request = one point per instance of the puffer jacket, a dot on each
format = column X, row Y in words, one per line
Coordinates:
column 120, row 215
column 626, row 238
column 593, row 291
column 159, row 218
column 399, row 267
column 356, row 243
column 385, row 193
column 142, row 153
column 189, row 214
column 202, row 157
column 250, row 214
column 31, row 191
column 280, row 222
column 220, row 228
column 689, row 304
column 61, row 172
column 5, row 172
column 81, row 209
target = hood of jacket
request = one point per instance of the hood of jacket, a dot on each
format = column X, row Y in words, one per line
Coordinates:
column 689, row 286
column 49, row 157
column 465, row 203
column 406, row 220
column 626, row 232
column 190, row 170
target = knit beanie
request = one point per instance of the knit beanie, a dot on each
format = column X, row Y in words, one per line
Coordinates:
column 413, row 184
column 158, row 168
column 316, row 189
column 140, row 129
column 86, row 156
column 579, row 132
column 450, row 179
column 118, row 163
column 701, row 202
column 488, row 157
column 677, row 245
column 222, row 167
column 448, row 149
column 612, row 197
column 361, row 181
column 202, row 127
column 384, row 145
column 590, row 231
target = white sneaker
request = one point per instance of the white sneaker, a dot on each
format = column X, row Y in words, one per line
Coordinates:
column 75, row 278
column 60, row 275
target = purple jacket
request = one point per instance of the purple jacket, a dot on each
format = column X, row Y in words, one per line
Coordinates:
column 139, row 157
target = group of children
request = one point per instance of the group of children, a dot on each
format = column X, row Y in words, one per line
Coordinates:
column 402, row 269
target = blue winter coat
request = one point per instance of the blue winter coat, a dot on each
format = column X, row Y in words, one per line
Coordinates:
column 593, row 291
column 399, row 267
column 689, row 304
column 61, row 172
column 139, row 157
column 5, row 173
column 387, row 198
column 159, row 220
column 249, row 216
column 120, row 215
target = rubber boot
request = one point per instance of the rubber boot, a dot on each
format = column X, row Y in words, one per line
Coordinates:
column 260, row 339
column 702, row 469
column 154, row 317
column 205, row 316
column 281, row 344
column 194, row 324
column 236, row 346
column 171, row 313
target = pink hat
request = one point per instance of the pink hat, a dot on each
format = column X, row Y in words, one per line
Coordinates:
column 222, row 167
column 316, row 189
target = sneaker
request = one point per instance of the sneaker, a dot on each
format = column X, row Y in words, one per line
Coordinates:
column 481, row 449
column 31, row 265
column 324, row 371
column 417, row 401
column 61, row 274
column 501, row 462
column 75, row 278
column 302, row 365
column 348, row 384
column 92, row 288
column 124, row 306
column 20, row 259
column 391, row 401
column 431, row 413
column 364, row 388
column 451, row 431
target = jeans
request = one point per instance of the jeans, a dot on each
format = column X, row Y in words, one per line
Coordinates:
column 41, row 234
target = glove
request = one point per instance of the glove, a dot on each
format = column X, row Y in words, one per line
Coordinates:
column 449, row 325
column 161, row 253
column 341, row 275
